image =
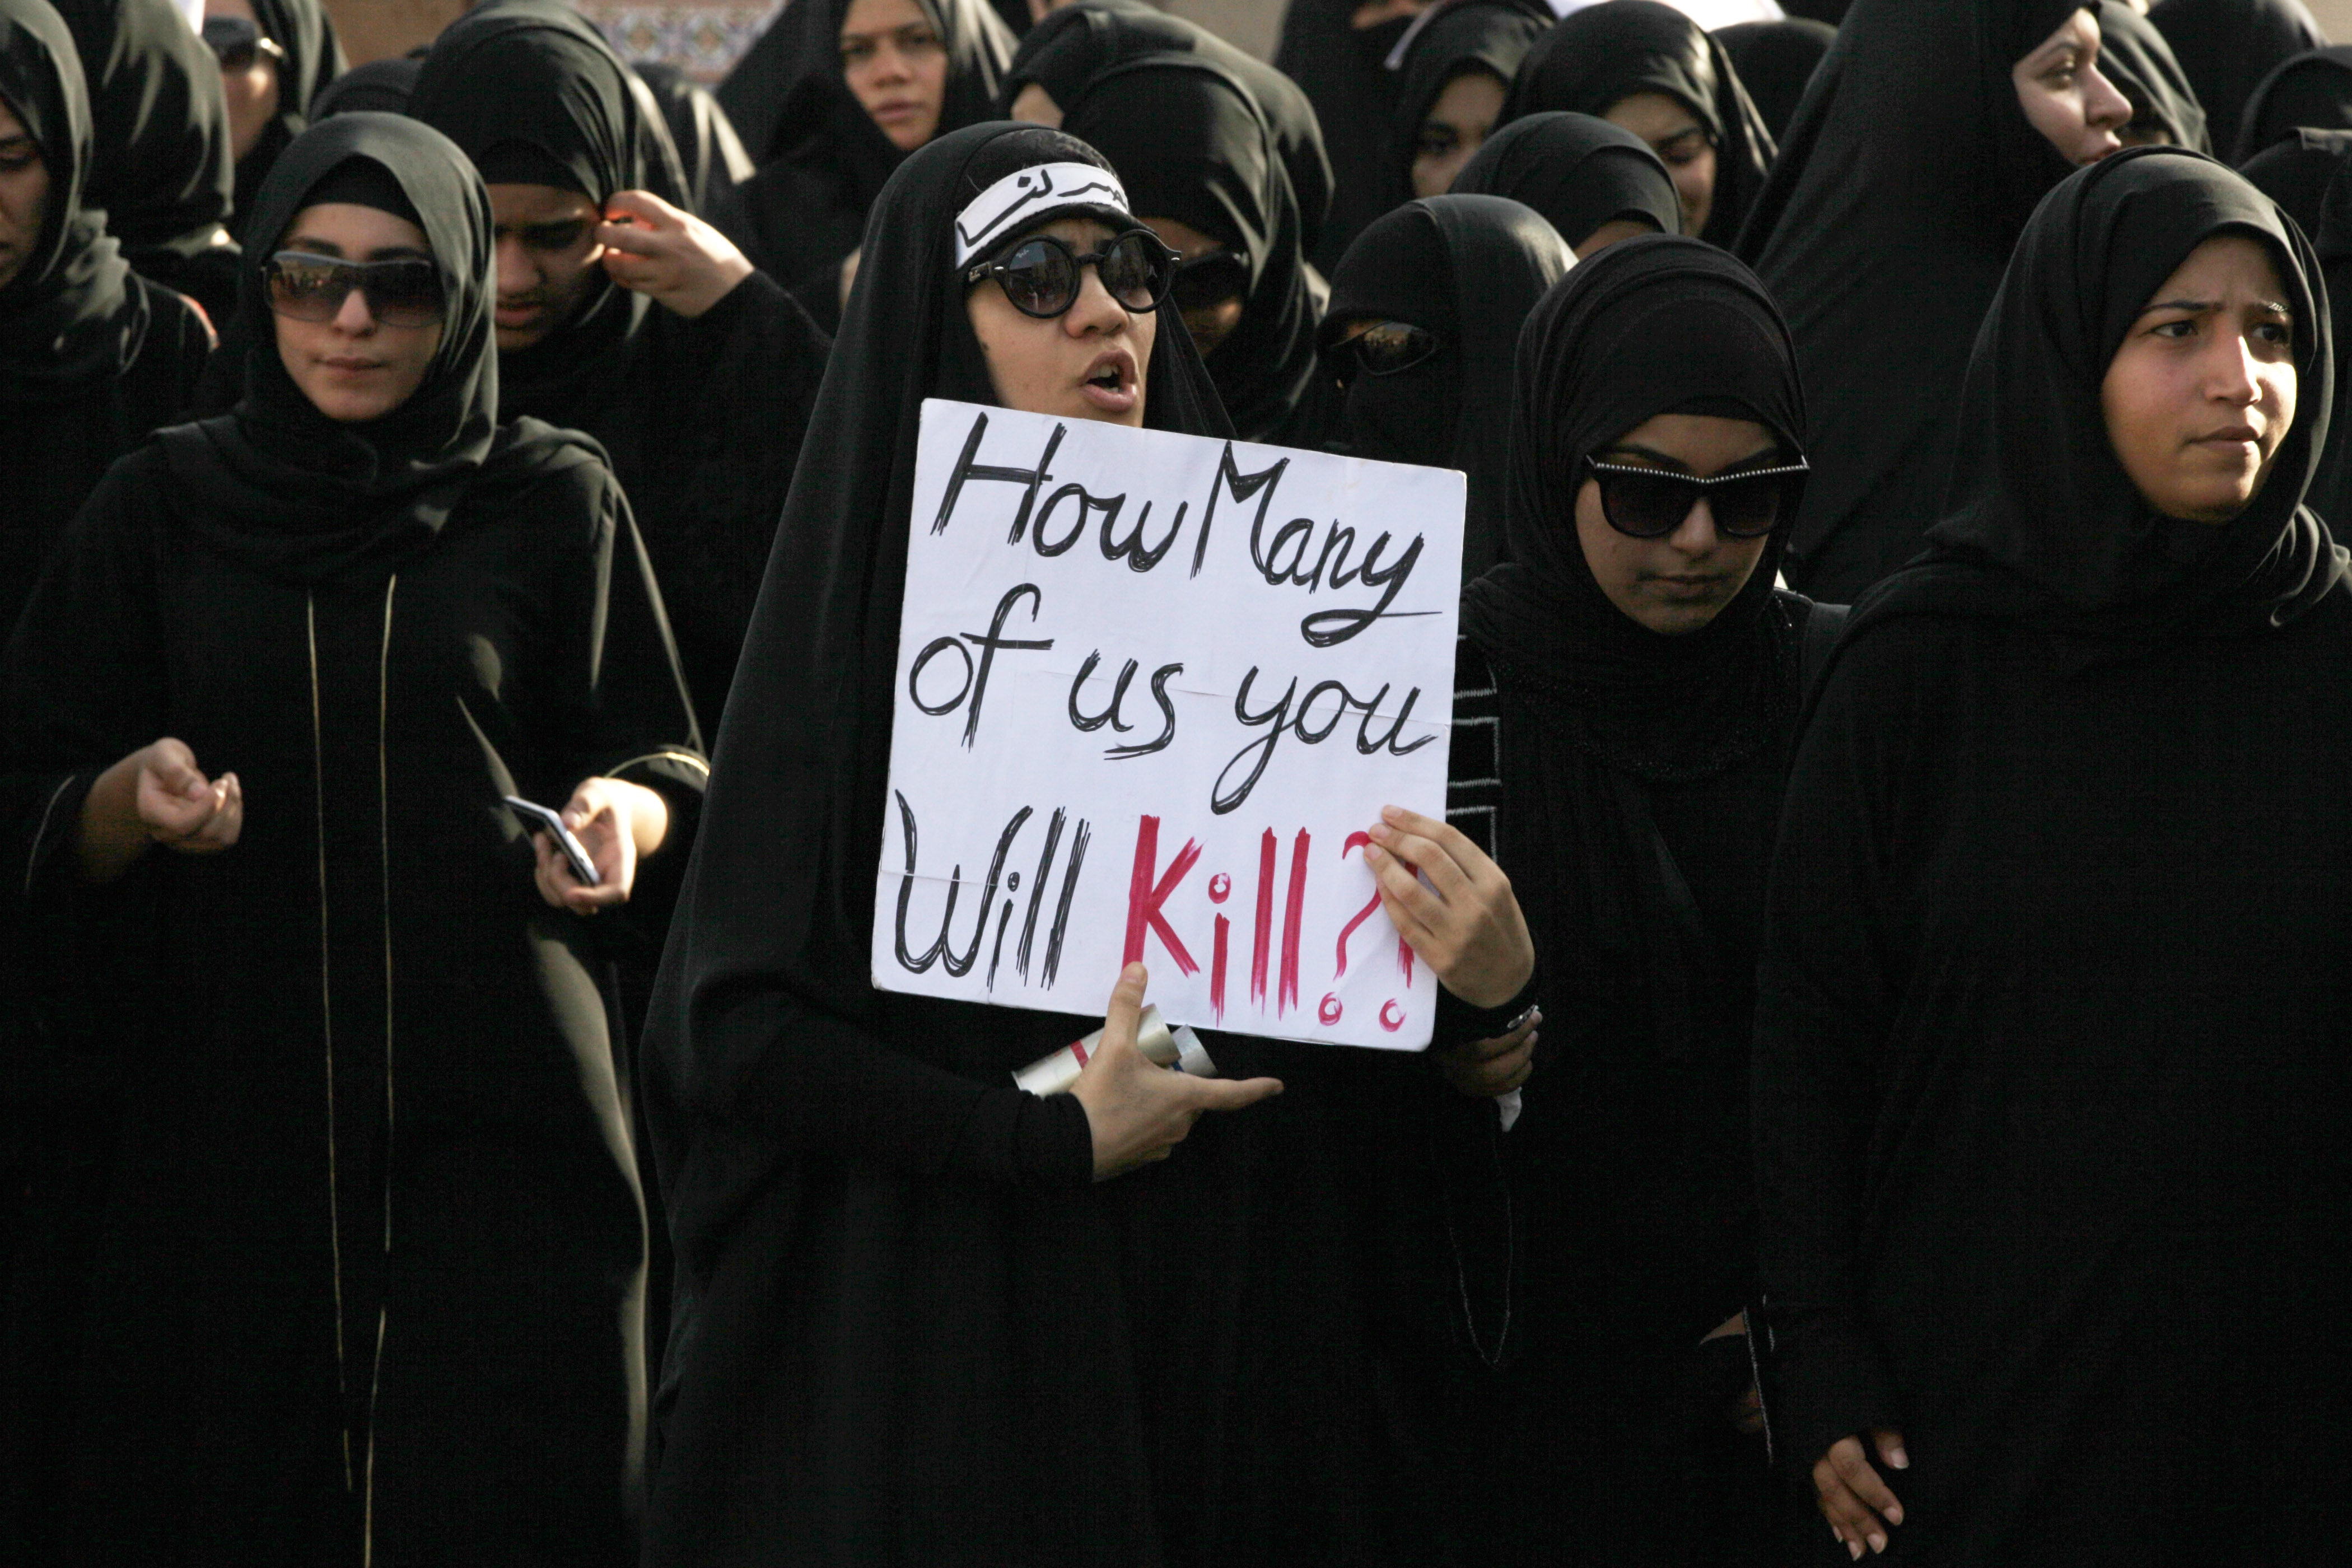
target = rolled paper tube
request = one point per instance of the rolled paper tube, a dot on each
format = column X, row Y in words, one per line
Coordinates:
column 1179, row 1048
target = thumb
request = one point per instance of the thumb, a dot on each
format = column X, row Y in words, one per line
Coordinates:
column 1124, row 1013
column 1889, row 1444
column 643, row 207
column 174, row 767
column 1222, row 1094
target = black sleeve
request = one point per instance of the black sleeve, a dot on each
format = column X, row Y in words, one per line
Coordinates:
column 1822, row 1014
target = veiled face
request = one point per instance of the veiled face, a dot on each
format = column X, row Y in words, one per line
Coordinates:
column 896, row 64
column 547, row 258
column 1089, row 362
column 1457, row 125
column 24, row 194
column 1676, row 584
column 2201, row 393
column 354, row 367
column 2064, row 95
column 1680, row 142
column 1211, row 322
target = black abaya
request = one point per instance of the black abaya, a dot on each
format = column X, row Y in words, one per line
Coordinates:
column 1461, row 37
column 1776, row 61
column 1884, row 247
column 2309, row 92
column 2052, row 1107
column 701, row 419
column 367, row 1284
column 1581, row 173
column 312, row 59
column 2227, row 47
column 1596, row 57
column 1468, row 268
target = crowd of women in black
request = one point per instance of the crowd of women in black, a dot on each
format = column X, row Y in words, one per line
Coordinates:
column 1893, row 1086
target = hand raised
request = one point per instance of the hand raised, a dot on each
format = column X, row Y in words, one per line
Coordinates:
column 1138, row 1109
column 1468, row 929
column 659, row 250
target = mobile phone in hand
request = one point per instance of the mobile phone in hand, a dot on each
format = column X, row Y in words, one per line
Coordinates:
column 583, row 869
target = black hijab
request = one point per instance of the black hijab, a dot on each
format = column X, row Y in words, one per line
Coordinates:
column 2135, row 56
column 714, row 158
column 1189, row 143
column 1343, row 71
column 1884, row 249
column 807, row 731
column 379, row 86
column 312, row 60
column 162, row 166
column 1776, row 61
column 1469, row 269
column 1578, row 172
column 530, row 74
column 2296, row 173
column 70, row 318
column 1078, row 43
column 1450, row 39
column 301, row 497
column 2040, row 525
column 2312, row 92
column 2227, row 47
column 1649, row 326
column 1595, row 57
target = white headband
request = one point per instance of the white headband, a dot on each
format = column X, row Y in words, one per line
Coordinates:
column 1025, row 195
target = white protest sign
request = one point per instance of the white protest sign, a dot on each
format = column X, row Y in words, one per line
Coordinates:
column 1151, row 690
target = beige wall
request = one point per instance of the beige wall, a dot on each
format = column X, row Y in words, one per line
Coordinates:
column 2335, row 18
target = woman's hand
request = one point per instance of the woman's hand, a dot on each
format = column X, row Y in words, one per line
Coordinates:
column 659, row 250
column 618, row 824
column 156, row 796
column 1139, row 1110
column 1469, row 930
column 1851, row 1496
column 1485, row 1068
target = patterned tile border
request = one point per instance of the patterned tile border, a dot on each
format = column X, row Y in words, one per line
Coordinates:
column 703, row 39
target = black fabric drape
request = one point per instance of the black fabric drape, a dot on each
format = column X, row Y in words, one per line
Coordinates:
column 2329, row 224
column 313, row 58
column 2136, row 58
column 1189, row 143
column 822, row 158
column 2051, row 1101
column 1490, row 36
column 161, row 166
column 712, row 155
column 2311, row 91
column 2296, row 173
column 1885, row 250
column 701, row 419
column 2227, row 47
column 1776, row 61
column 1616, row 752
column 380, row 86
column 1594, row 57
column 366, row 1279
column 1578, row 172
column 1342, row 70
column 1078, row 42
column 1469, row 269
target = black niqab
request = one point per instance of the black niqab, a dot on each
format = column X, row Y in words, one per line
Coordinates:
column 1452, row 40
column 1776, row 61
column 2227, row 46
column 312, row 59
column 1079, row 42
column 1593, row 57
column 1469, row 269
column 2309, row 92
column 1578, row 172
column 1189, row 143
column 2136, row 58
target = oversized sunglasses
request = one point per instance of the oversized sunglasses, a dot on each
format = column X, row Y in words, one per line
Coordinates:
column 235, row 40
column 1651, row 503
column 1211, row 279
column 405, row 292
column 1384, row 348
column 1041, row 274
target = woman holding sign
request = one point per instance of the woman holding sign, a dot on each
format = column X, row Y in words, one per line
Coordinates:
column 1628, row 687
column 915, row 1320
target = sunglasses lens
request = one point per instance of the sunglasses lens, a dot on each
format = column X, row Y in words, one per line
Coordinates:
column 1210, row 279
column 1389, row 347
column 307, row 289
column 1646, row 506
column 1747, row 508
column 404, row 293
column 1131, row 270
column 1040, row 278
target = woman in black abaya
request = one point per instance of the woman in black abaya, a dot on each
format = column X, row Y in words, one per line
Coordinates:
column 1651, row 68
column 868, row 1213
column 1454, row 68
column 2227, row 46
column 1426, row 308
column 1595, row 183
column 823, row 156
column 1626, row 706
column 2053, row 1109
column 1884, row 249
column 306, row 59
column 1776, row 61
column 2309, row 92
column 368, row 1280
column 1199, row 161
column 1337, row 51
column 2136, row 58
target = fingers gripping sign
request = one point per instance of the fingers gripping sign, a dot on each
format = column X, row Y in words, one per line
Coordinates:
column 1464, row 921
column 663, row 251
column 1140, row 1110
